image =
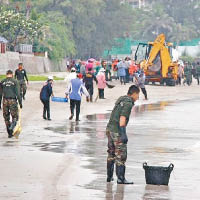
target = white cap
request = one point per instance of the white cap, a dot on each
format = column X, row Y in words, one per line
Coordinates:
column 73, row 69
column 50, row 77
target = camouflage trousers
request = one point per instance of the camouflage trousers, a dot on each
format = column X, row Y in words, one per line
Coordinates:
column 23, row 88
column 117, row 150
column 10, row 107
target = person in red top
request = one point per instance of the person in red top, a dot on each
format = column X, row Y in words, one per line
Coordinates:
column 132, row 69
column 114, row 68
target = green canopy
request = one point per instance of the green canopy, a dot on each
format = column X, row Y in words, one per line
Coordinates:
column 122, row 47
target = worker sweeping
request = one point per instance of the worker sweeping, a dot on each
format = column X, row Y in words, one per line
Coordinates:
column 117, row 137
column 140, row 82
column 11, row 97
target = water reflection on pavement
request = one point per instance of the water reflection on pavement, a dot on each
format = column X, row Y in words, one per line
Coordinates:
column 159, row 134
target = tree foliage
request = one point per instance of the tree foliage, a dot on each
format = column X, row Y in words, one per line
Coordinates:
column 178, row 20
column 81, row 28
column 85, row 28
column 15, row 27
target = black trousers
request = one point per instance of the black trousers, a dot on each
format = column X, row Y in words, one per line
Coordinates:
column 73, row 104
column 101, row 93
column 179, row 80
column 127, row 76
column 108, row 75
column 144, row 92
column 90, row 89
column 122, row 79
column 46, row 109
column 197, row 77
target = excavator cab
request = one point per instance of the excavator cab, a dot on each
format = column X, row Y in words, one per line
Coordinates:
column 142, row 52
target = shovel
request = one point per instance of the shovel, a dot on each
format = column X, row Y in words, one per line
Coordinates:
column 110, row 86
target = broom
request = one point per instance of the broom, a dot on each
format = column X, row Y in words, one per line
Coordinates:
column 17, row 130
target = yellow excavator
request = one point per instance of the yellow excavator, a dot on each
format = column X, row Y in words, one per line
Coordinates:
column 155, row 60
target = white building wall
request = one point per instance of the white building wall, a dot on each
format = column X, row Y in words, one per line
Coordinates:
column 193, row 51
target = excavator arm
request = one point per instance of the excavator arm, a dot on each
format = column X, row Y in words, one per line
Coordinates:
column 158, row 65
column 156, row 48
column 159, row 52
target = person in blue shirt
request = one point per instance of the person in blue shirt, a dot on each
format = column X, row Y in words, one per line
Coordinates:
column 45, row 94
column 75, row 90
column 121, row 66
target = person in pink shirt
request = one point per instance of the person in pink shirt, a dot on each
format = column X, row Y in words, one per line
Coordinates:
column 90, row 66
column 101, row 78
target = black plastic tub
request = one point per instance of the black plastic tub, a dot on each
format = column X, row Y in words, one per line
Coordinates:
column 156, row 175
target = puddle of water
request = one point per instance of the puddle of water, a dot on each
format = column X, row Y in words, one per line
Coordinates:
column 163, row 132
column 166, row 150
column 155, row 135
column 55, row 147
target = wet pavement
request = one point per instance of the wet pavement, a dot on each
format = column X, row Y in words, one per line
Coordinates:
column 159, row 134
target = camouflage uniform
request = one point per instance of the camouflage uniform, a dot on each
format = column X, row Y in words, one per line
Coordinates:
column 20, row 75
column 10, row 92
column 10, row 107
column 23, row 88
column 117, row 139
column 117, row 150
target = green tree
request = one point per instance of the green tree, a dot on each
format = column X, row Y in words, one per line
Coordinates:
column 16, row 28
column 58, row 39
column 178, row 20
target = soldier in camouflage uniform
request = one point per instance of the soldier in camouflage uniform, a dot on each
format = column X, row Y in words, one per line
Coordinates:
column 20, row 75
column 116, row 133
column 10, row 93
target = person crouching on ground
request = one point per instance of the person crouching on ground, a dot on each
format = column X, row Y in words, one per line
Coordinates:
column 101, row 78
column 88, row 79
column 45, row 94
column 75, row 90
column 117, row 137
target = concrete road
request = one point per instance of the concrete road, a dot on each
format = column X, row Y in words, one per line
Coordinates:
column 62, row 159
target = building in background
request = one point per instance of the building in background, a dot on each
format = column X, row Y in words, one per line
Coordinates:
column 24, row 48
column 136, row 3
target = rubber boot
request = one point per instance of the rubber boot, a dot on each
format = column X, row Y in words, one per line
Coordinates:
column 9, row 132
column 120, row 171
column 110, row 170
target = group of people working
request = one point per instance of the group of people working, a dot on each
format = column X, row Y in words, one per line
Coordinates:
column 13, row 94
